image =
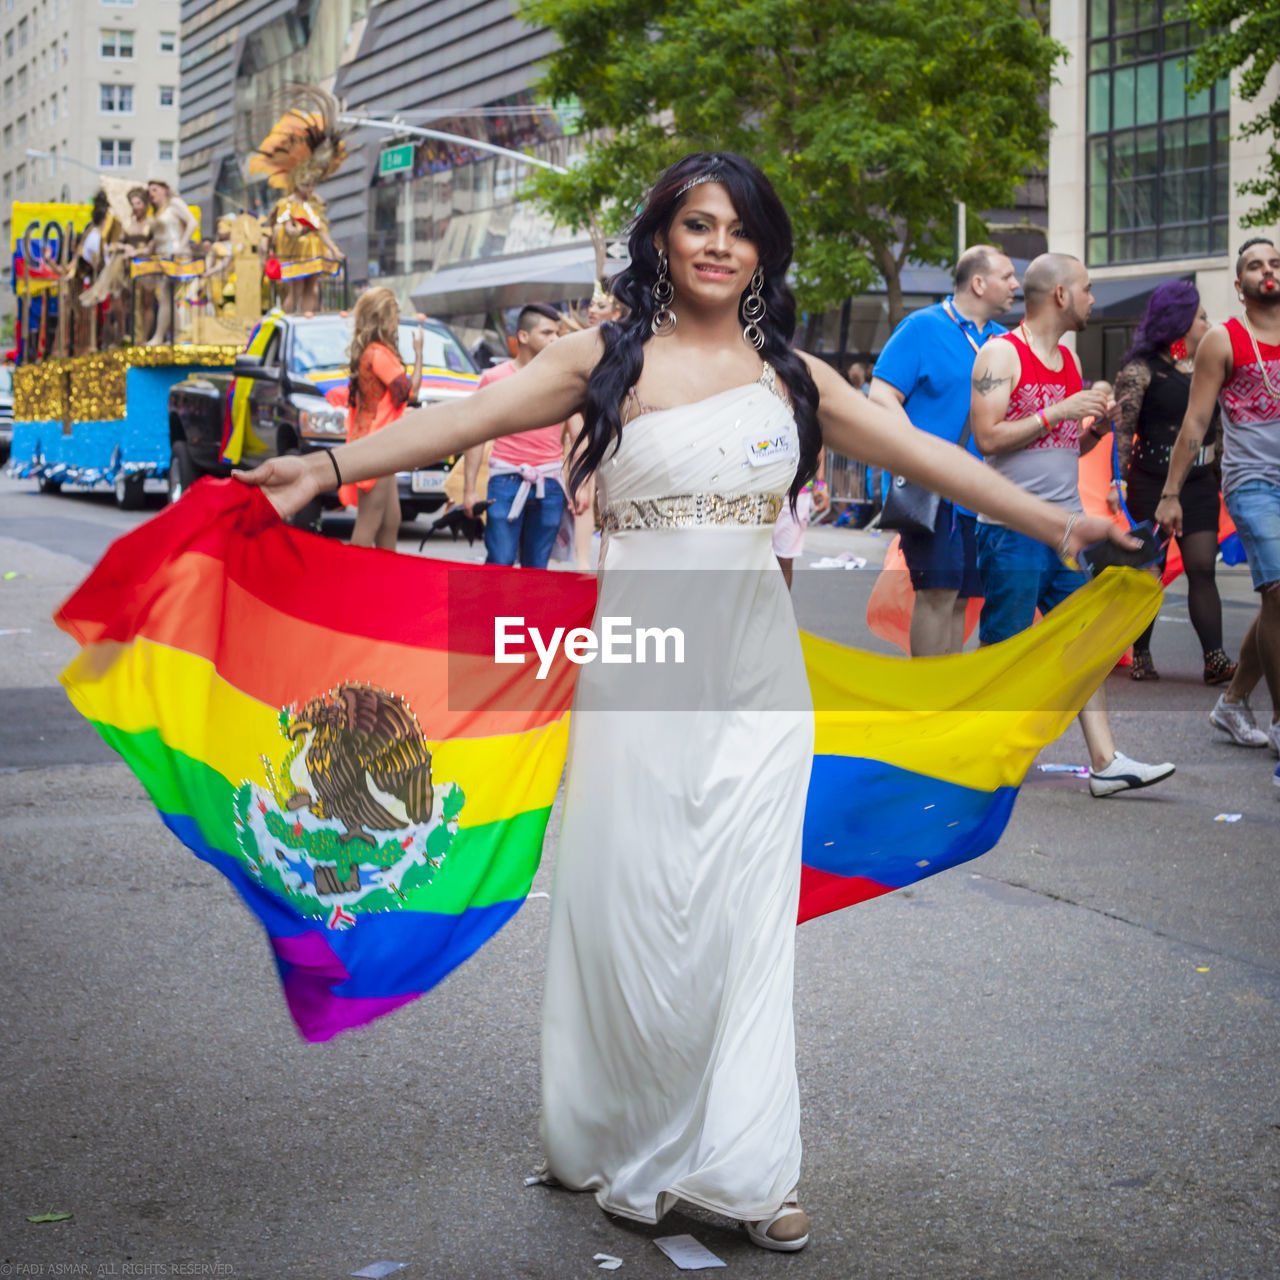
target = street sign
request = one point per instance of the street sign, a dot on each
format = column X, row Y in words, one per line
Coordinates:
column 616, row 249
column 396, row 159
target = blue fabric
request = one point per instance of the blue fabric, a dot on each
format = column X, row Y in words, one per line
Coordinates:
column 930, row 361
column 533, row 534
column 917, row 826
column 1019, row 576
column 1255, row 508
column 947, row 558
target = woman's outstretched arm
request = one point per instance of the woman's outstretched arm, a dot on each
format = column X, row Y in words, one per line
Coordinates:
column 855, row 427
column 546, row 391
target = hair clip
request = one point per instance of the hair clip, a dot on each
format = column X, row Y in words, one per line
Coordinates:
column 697, row 182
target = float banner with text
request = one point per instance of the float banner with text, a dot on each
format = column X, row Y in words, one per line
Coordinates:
column 293, row 707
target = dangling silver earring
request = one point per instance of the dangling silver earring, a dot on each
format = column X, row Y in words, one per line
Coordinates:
column 753, row 311
column 664, row 319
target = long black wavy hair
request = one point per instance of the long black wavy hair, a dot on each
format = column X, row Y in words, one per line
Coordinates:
column 765, row 223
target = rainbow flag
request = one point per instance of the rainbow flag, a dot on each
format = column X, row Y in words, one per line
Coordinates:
column 321, row 724
column 329, row 728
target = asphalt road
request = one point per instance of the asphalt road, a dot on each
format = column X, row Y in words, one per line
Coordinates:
column 1058, row 1060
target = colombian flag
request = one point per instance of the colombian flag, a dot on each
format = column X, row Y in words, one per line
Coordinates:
column 328, row 727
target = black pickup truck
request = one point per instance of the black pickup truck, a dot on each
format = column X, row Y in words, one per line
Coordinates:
column 273, row 402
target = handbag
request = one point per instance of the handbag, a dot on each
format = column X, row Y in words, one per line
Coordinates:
column 910, row 507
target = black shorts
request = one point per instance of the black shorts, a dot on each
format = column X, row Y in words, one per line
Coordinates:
column 947, row 558
column 1200, row 501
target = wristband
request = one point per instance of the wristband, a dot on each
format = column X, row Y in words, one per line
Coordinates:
column 818, row 484
column 336, row 472
column 1044, row 422
column 1177, row 495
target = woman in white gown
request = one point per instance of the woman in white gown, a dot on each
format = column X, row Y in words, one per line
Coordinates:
column 668, row 1047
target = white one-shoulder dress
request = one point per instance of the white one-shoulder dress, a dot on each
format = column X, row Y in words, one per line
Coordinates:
column 668, row 1052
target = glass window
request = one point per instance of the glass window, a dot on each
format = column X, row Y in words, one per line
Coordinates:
column 1173, row 101
column 1122, row 98
column 1099, row 103
column 324, row 344
column 1148, row 93
column 164, row 151
column 167, row 92
column 168, row 42
column 115, row 97
column 115, row 153
column 1157, row 159
column 115, row 44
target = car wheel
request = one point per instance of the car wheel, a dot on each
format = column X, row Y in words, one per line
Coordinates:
column 50, row 486
column 130, row 494
column 182, row 471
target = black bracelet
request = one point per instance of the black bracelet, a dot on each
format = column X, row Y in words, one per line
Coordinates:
column 336, row 472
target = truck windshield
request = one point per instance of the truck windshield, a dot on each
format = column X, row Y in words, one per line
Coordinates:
column 325, row 344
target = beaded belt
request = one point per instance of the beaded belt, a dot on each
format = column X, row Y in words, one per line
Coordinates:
column 687, row 510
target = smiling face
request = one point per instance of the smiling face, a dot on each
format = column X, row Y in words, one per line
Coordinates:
column 711, row 258
column 138, row 205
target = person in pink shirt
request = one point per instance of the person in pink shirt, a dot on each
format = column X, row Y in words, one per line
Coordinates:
column 526, row 471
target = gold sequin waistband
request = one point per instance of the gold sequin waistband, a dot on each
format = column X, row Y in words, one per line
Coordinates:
column 688, row 510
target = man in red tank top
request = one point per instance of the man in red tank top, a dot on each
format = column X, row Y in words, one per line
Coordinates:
column 1026, row 405
column 1238, row 367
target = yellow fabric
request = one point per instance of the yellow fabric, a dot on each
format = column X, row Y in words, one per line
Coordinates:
column 144, row 685
column 978, row 719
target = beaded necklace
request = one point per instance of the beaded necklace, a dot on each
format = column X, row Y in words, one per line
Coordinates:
column 1257, row 355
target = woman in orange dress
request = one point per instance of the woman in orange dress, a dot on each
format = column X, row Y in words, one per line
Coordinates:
column 377, row 394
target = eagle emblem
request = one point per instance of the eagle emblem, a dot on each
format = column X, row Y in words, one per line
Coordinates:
column 350, row 818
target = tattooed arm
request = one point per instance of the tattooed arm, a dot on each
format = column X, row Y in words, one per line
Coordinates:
column 1131, row 386
column 995, row 374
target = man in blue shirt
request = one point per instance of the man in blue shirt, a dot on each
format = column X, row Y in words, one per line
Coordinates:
column 924, row 371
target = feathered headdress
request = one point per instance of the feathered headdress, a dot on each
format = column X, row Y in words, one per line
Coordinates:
column 306, row 145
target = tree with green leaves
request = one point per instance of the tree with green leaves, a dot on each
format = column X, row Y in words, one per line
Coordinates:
column 873, row 118
column 1244, row 37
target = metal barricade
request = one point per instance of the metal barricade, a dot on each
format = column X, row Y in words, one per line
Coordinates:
column 848, row 482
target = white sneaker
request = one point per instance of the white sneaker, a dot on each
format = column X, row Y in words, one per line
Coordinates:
column 1236, row 718
column 1123, row 774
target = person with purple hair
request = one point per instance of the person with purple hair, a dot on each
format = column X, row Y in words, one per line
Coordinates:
column 1152, row 390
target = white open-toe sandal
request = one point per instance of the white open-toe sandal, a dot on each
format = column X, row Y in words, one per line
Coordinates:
column 759, row 1232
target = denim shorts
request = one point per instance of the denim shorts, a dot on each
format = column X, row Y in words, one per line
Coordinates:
column 1255, row 507
column 947, row 558
column 1019, row 576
